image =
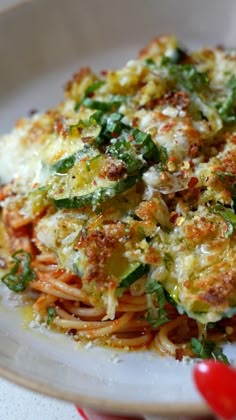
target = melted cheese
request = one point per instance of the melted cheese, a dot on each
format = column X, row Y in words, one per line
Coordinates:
column 169, row 219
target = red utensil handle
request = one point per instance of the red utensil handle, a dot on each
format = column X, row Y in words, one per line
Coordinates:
column 216, row 382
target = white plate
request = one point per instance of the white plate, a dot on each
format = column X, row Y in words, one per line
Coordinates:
column 41, row 44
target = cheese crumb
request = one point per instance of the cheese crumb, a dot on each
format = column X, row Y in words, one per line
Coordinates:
column 115, row 358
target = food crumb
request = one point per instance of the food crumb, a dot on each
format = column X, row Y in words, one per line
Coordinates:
column 88, row 345
column 115, row 358
column 188, row 360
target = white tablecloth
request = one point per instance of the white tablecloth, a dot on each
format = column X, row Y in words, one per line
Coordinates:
column 19, row 404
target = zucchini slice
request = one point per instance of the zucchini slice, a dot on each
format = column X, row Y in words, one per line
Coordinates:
column 97, row 196
column 63, row 165
column 134, row 272
column 119, row 267
column 84, row 184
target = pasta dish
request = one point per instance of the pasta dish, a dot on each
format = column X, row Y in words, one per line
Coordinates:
column 118, row 205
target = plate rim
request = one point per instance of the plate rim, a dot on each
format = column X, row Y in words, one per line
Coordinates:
column 101, row 403
column 11, row 7
column 104, row 404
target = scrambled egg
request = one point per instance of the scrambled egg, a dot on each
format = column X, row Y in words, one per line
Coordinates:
column 137, row 167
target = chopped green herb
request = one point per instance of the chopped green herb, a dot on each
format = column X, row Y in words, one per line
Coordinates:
column 223, row 175
column 94, row 104
column 227, row 109
column 21, row 273
column 157, row 316
column 207, row 350
column 51, row 314
column 162, row 158
column 177, row 56
column 112, row 105
column 131, row 145
column 110, row 125
column 229, row 180
column 125, row 150
column 96, row 116
column 90, row 89
column 186, row 76
column 145, row 145
column 135, row 148
column 95, row 86
column 150, row 62
column 229, row 216
column 81, row 124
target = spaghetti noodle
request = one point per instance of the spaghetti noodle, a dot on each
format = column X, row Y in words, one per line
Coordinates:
column 119, row 204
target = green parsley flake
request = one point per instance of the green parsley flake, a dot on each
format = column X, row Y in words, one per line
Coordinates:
column 51, row 315
column 229, row 216
column 157, row 316
column 207, row 350
column 227, row 109
column 21, row 273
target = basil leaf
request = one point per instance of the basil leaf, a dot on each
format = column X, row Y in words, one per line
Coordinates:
column 51, row 315
column 101, row 106
column 113, row 125
column 135, row 148
column 157, row 316
column 162, row 157
column 82, row 124
column 186, row 76
column 110, row 125
column 198, row 348
column 229, row 180
column 21, row 273
column 114, row 103
column 207, row 350
column 96, row 116
column 90, row 89
column 145, row 145
column 229, row 216
column 124, row 149
column 178, row 55
column 223, row 175
column 227, row 109
column 150, row 62
column 95, row 86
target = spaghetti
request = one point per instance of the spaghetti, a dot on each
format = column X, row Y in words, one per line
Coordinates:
column 119, row 205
